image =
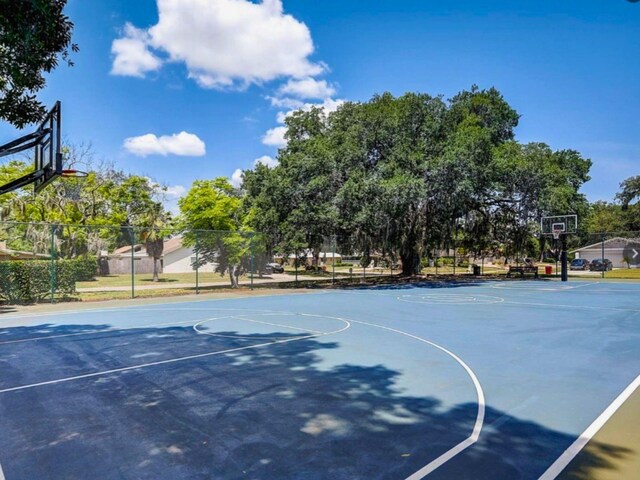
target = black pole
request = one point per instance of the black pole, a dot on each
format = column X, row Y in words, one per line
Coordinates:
column 563, row 258
column 604, row 267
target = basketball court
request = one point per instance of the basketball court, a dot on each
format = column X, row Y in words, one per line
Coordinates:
column 442, row 380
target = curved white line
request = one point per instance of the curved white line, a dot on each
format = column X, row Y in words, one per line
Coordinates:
column 449, row 299
column 315, row 333
column 477, row 427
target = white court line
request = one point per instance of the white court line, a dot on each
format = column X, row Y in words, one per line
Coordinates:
column 245, row 337
column 588, row 307
column 271, row 312
column 178, row 359
column 1, row 473
column 424, row 471
column 477, row 427
column 129, row 308
column 569, row 454
column 104, row 330
column 239, row 317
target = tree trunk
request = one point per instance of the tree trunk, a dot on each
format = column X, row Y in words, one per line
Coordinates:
column 410, row 263
column 233, row 276
column 155, row 270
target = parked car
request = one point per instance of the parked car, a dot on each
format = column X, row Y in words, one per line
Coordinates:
column 275, row 268
column 580, row 264
column 601, row 265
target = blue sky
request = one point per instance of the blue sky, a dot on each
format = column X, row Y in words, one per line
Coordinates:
column 225, row 72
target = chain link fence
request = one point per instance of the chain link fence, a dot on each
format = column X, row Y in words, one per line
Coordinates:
column 41, row 262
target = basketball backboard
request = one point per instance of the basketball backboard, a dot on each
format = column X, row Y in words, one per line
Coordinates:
column 559, row 224
column 47, row 156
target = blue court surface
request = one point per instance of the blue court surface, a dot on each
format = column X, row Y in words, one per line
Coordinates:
column 490, row 380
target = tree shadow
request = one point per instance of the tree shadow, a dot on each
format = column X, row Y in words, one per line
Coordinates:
column 274, row 412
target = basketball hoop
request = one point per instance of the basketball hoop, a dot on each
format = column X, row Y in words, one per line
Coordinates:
column 73, row 190
column 70, row 173
column 556, row 234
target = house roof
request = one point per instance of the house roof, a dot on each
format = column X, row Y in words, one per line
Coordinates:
column 173, row 244
column 615, row 242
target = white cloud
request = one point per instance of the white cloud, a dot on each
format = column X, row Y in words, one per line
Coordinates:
column 182, row 144
column 132, row 55
column 275, row 137
column 329, row 105
column 307, row 88
column 223, row 43
column 266, row 160
column 236, row 178
column 175, row 191
column 290, row 103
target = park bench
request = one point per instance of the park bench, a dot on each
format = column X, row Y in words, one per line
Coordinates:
column 522, row 270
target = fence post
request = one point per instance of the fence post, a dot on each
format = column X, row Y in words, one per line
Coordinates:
column 251, row 259
column 435, row 260
column 333, row 259
column 454, row 257
column 197, row 266
column 133, row 262
column 52, row 269
column 295, row 265
column 604, row 267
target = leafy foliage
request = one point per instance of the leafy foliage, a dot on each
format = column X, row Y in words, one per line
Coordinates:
column 34, row 35
column 211, row 216
column 28, row 281
column 401, row 176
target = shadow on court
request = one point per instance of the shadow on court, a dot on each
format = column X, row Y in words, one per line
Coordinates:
column 259, row 413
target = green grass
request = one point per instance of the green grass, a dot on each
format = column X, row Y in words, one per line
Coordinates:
column 147, row 279
column 624, row 273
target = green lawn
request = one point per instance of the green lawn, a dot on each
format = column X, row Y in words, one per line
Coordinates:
column 624, row 273
column 147, row 279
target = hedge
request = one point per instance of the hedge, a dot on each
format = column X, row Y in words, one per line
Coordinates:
column 28, row 281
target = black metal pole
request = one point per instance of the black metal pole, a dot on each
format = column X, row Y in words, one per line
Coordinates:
column 563, row 258
column 604, row 267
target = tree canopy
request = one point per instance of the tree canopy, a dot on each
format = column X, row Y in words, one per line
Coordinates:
column 399, row 176
column 34, row 36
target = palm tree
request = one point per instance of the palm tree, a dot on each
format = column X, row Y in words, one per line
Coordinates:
column 154, row 231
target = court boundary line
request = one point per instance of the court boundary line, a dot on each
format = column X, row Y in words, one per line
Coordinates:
column 116, row 329
column 2, row 477
column 172, row 360
column 104, row 330
column 142, row 306
column 585, row 437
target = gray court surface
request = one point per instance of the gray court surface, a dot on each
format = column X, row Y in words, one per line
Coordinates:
column 483, row 380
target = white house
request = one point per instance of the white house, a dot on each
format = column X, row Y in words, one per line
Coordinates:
column 176, row 258
column 179, row 259
column 613, row 250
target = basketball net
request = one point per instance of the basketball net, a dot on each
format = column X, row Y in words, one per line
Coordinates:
column 556, row 234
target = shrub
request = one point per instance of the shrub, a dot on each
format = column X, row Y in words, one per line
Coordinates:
column 85, row 269
column 28, row 281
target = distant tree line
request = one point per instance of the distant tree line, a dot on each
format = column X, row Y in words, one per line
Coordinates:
column 393, row 177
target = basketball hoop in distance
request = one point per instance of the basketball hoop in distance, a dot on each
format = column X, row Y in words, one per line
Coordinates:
column 557, row 229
